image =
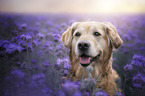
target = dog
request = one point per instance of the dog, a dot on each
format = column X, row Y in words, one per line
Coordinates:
column 91, row 44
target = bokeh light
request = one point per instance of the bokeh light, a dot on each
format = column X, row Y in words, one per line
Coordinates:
column 73, row 6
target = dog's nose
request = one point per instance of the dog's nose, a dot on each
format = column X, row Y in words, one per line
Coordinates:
column 83, row 45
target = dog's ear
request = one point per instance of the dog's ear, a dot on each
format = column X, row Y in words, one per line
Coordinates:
column 113, row 35
column 67, row 36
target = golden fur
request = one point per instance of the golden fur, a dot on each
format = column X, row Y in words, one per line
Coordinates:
column 105, row 43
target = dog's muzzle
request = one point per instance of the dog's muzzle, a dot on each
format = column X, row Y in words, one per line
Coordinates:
column 86, row 60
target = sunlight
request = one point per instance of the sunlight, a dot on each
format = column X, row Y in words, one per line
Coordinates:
column 106, row 6
column 120, row 6
column 75, row 6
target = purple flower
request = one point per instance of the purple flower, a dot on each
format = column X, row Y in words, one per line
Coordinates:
column 138, row 41
column 18, row 74
column 46, row 63
column 57, row 26
column 23, row 65
column 128, row 67
column 130, row 45
column 46, row 90
column 37, row 24
column 12, row 47
column 22, row 43
column 35, row 43
column 50, row 49
column 38, row 76
column 127, row 37
column 138, row 60
column 47, row 44
column 101, row 93
column 24, row 25
column 19, row 84
column 36, row 67
column 40, row 35
column 131, row 33
column 15, row 39
column 142, row 49
column 58, row 47
column 29, row 46
column 40, row 53
column 61, row 93
column 138, row 80
column 33, row 61
column 124, row 50
column 4, row 44
column 60, row 53
column 65, row 62
column 38, row 80
column 59, row 61
column 64, row 25
column 44, row 69
column 45, row 30
column 25, row 37
column 19, row 48
column 59, row 50
column 86, row 93
column 69, row 88
column 137, row 63
column 56, row 37
column 65, row 72
column 77, row 93
column 49, row 23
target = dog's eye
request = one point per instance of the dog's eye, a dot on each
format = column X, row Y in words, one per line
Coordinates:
column 96, row 34
column 77, row 34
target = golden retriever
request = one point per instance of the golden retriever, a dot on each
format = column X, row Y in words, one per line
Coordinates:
column 92, row 43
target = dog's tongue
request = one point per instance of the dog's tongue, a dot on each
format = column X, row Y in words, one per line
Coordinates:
column 85, row 60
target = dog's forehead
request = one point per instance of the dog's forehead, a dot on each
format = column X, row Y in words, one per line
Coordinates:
column 90, row 26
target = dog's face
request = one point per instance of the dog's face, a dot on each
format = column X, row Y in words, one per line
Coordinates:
column 90, row 39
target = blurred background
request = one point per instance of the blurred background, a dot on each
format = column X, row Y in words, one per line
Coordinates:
column 73, row 6
column 33, row 59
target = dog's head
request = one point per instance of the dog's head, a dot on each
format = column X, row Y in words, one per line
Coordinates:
column 89, row 40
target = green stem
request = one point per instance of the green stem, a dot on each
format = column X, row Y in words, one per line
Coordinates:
column 28, row 65
column 124, row 84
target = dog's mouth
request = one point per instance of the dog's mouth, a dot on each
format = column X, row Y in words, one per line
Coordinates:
column 87, row 60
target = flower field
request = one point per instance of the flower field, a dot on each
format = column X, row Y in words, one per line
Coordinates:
column 33, row 59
